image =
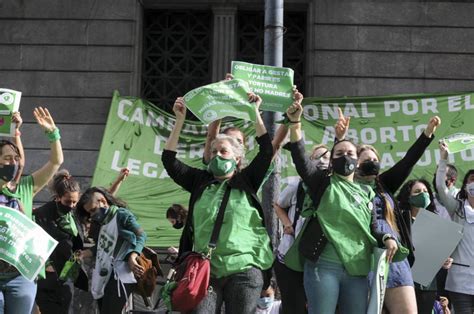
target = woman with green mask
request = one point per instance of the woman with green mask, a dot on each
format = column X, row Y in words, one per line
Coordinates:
column 415, row 196
column 243, row 248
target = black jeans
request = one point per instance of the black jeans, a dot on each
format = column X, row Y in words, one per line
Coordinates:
column 290, row 282
column 239, row 292
column 53, row 296
column 462, row 303
column 111, row 303
column 425, row 300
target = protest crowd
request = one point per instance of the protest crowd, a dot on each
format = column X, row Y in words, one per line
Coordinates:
column 333, row 219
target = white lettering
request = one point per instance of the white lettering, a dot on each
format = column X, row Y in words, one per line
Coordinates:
column 121, row 108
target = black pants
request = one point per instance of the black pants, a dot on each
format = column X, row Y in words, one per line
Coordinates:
column 53, row 296
column 111, row 303
column 290, row 282
column 425, row 300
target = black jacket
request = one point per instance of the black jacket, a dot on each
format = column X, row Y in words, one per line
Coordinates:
column 196, row 180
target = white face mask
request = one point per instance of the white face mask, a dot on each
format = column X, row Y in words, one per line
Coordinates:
column 470, row 189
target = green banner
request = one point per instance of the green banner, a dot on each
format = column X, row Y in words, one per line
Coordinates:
column 137, row 130
column 9, row 103
column 393, row 123
column 219, row 100
column 273, row 84
column 459, row 142
column 23, row 243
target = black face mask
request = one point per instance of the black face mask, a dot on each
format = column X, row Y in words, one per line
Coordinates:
column 8, row 172
column 344, row 165
column 99, row 216
column 178, row 225
column 369, row 168
column 63, row 209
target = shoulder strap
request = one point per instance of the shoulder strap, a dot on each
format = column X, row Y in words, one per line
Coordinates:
column 220, row 218
column 300, row 195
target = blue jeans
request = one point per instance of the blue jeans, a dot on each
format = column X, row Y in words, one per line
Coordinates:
column 18, row 295
column 327, row 285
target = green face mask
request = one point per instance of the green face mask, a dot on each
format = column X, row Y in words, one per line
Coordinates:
column 421, row 200
column 220, row 167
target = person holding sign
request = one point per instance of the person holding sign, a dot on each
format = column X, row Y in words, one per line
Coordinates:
column 214, row 128
column 460, row 281
column 339, row 235
column 18, row 292
column 243, row 250
column 414, row 196
column 400, row 294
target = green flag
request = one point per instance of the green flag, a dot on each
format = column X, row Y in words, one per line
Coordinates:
column 222, row 99
column 23, row 243
column 273, row 84
column 459, row 142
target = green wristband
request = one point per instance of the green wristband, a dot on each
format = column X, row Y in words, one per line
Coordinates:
column 53, row 136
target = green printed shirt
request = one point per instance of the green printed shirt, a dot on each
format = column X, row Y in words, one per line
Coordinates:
column 243, row 241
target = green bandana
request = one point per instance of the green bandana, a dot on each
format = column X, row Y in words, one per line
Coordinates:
column 7, row 192
column 67, row 223
column 345, row 216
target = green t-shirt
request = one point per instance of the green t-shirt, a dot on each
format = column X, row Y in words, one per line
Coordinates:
column 25, row 191
column 243, row 241
column 345, row 214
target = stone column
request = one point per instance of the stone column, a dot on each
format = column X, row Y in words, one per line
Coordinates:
column 223, row 41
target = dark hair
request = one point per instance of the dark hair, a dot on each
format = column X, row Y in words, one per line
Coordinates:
column 337, row 143
column 178, row 212
column 403, row 196
column 451, row 175
column 63, row 183
column 462, row 195
column 13, row 146
column 89, row 194
column 235, row 129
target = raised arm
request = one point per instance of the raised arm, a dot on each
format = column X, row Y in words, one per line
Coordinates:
column 179, row 110
column 259, row 125
column 450, row 202
column 124, row 172
column 394, row 177
column 257, row 169
column 45, row 173
column 181, row 173
column 311, row 176
column 17, row 141
column 212, row 131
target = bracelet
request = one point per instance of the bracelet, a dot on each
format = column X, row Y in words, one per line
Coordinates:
column 53, row 135
column 17, row 132
column 387, row 236
column 294, row 122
